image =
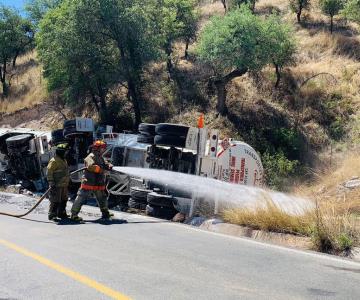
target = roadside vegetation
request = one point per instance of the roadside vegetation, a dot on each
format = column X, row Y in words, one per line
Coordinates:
column 282, row 75
column 333, row 226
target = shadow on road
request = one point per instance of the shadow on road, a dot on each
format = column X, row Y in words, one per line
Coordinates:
column 37, row 221
column 107, row 222
column 355, row 270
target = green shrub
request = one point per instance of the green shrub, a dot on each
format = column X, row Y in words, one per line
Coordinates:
column 278, row 168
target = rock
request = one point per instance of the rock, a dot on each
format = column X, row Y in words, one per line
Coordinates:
column 179, row 217
column 28, row 193
column 352, row 184
column 209, row 223
column 355, row 254
column 196, row 221
column 14, row 189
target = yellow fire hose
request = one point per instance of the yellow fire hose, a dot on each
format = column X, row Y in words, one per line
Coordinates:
column 38, row 202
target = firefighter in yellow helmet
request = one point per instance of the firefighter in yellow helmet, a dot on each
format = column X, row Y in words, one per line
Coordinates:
column 93, row 182
column 58, row 178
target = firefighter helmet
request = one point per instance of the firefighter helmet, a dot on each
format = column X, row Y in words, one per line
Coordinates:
column 99, row 144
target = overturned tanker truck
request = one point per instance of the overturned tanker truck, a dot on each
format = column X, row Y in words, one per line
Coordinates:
column 24, row 154
column 177, row 148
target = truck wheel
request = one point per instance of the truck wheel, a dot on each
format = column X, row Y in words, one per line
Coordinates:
column 18, row 140
column 146, row 128
column 139, row 194
column 57, row 136
column 161, row 212
column 145, row 139
column 171, row 129
column 69, row 123
column 156, row 199
column 170, row 140
column 69, row 131
column 135, row 204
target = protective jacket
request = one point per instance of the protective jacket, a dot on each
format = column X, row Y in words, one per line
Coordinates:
column 58, row 172
column 94, row 177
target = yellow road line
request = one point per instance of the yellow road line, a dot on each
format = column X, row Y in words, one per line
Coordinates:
column 74, row 275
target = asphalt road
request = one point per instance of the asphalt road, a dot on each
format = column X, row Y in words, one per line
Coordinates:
column 153, row 259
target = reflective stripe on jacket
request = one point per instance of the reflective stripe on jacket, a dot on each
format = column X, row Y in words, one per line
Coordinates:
column 94, row 177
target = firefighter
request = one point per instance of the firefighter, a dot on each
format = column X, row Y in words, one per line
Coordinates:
column 93, row 182
column 58, row 178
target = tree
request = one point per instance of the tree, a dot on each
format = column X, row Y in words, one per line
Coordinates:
column 15, row 35
column 297, row 6
column 130, row 25
column 351, row 10
column 238, row 43
column 75, row 61
column 25, row 40
column 177, row 20
column 281, row 45
column 239, row 3
column 331, row 8
column 87, row 46
column 37, row 9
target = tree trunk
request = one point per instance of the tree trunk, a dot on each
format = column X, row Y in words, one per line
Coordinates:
column 133, row 93
column 102, row 96
column 253, row 5
column 169, row 64
column 5, row 89
column 96, row 104
column 278, row 75
column 224, row 4
column 187, row 42
column 331, row 24
column 3, row 79
column 298, row 15
column 15, row 58
column 135, row 101
column 221, row 97
column 220, row 85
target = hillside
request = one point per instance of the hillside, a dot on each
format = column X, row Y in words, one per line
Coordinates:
column 308, row 123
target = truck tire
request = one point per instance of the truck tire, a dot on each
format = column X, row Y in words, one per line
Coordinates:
column 170, row 140
column 139, row 194
column 69, row 123
column 57, row 137
column 155, row 199
column 18, row 141
column 145, row 139
column 160, row 212
column 135, row 204
column 118, row 200
column 147, row 128
column 171, row 129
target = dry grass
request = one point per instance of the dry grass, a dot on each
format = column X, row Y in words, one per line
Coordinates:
column 331, row 232
column 270, row 218
column 335, row 223
column 330, row 192
column 27, row 85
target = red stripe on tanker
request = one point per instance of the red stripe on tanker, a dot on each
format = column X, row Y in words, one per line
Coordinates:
column 239, row 163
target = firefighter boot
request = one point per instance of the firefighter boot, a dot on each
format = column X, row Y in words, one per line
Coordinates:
column 52, row 216
column 106, row 214
column 76, row 218
column 61, row 212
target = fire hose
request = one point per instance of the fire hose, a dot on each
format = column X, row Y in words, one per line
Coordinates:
column 39, row 201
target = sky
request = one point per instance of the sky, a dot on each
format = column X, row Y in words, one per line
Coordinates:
column 18, row 4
